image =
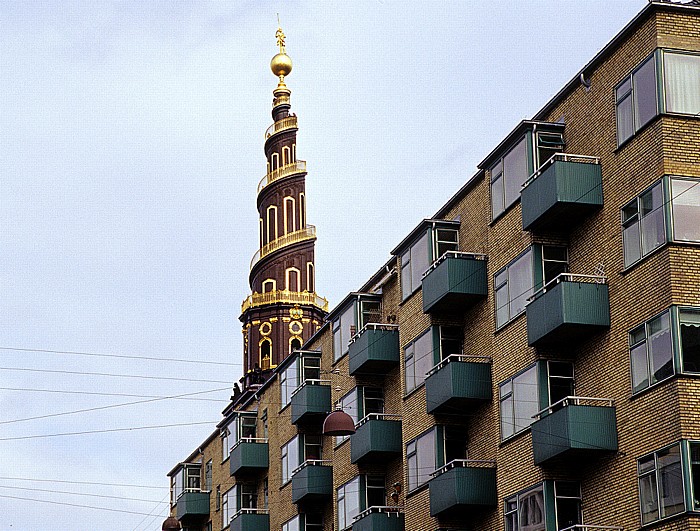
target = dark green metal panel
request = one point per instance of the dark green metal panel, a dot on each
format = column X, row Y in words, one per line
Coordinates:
column 375, row 351
column 380, row 522
column 561, row 195
column 463, row 488
column 312, row 483
column 566, row 311
column 249, row 457
column 573, row 431
column 192, row 504
column 251, row 522
column 457, row 384
column 454, row 284
column 376, row 439
column 311, row 402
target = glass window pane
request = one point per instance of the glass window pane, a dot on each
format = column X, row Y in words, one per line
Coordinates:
column 625, row 126
column 640, row 369
column 425, row 449
column 526, row 401
column 502, row 305
column 644, row 93
column 686, row 209
column 648, row 498
column 631, row 244
column 420, row 261
column 690, row 341
column 531, row 513
column 661, row 349
column 507, row 427
column 682, row 83
column 520, row 283
column 515, row 171
column 671, row 482
column 497, row 203
column 624, row 89
column 653, row 224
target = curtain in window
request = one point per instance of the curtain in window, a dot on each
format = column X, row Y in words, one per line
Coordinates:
column 682, row 83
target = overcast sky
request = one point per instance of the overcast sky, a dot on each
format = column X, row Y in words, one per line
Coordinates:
column 131, row 145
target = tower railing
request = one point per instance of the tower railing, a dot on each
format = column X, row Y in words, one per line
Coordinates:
column 284, row 296
column 307, row 233
column 290, row 122
column 298, row 166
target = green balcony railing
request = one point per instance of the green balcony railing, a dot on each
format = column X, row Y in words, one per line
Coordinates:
column 565, row 189
column 457, row 382
column 250, row 520
column 374, row 349
column 249, row 455
column 312, row 482
column 192, row 506
column 573, row 428
column 568, row 307
column 378, row 437
column 453, row 282
column 463, row 485
column 380, row 519
column 311, row 401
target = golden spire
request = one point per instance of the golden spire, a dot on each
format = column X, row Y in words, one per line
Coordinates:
column 281, row 64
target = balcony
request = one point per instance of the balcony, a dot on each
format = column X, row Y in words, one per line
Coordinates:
column 565, row 189
column 287, row 170
column 285, row 296
column 573, row 428
column 285, row 124
column 463, row 485
column 457, row 382
column 380, row 519
column 569, row 307
column 249, row 456
column 250, row 520
column 311, row 401
column 192, row 506
column 302, row 235
column 454, row 281
column 377, row 438
column 312, row 482
column 374, row 349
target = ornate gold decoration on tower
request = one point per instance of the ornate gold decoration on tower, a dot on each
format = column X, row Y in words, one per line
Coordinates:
column 281, row 64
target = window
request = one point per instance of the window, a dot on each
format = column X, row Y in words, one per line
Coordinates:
column 695, row 474
column 304, row 522
column 513, row 285
column 376, row 492
column 360, row 402
column 529, row 511
column 272, row 231
column 531, row 391
column 653, row 355
column 507, row 177
column 290, row 459
column 265, row 354
column 208, row 481
column 685, row 206
column 269, row 285
column 446, row 239
column 421, row 459
column 414, row 262
column 228, row 504
column 555, row 261
column 636, row 100
column 637, row 96
column 661, row 484
column 293, row 279
column 348, row 502
column 310, row 277
column 418, row 359
column 240, row 496
column 644, row 225
column 682, row 82
column 289, row 381
column 225, row 445
column 188, row 478
column 651, row 352
column 348, row 404
column 292, row 525
column 450, row 342
column 361, row 310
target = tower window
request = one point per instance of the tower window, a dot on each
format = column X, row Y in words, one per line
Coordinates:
column 269, row 285
column 310, row 277
column 293, row 279
column 271, row 223
column 265, row 354
column 290, row 222
column 294, row 344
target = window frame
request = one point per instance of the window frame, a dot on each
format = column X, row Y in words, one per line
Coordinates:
column 656, row 473
column 512, row 505
column 410, row 354
column 414, row 462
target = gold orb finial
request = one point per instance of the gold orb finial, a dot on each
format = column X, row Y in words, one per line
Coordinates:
column 281, row 64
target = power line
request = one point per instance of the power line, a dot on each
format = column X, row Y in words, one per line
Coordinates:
column 122, row 356
column 171, row 378
column 98, row 408
column 60, row 391
column 14, row 487
column 44, row 480
column 90, row 432
column 120, row 510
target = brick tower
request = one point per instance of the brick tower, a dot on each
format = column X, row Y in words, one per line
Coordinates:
column 283, row 310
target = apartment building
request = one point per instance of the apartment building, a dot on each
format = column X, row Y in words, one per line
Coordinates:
column 527, row 359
